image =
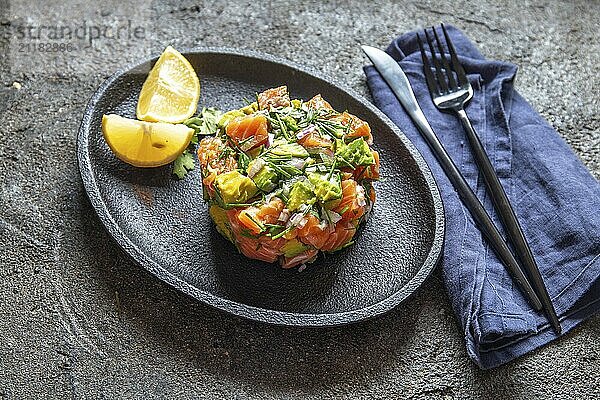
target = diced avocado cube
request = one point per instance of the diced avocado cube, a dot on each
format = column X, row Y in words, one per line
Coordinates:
column 250, row 108
column 291, row 149
column 355, row 153
column 219, row 216
column 296, row 103
column 301, row 193
column 234, row 187
column 293, row 247
column 266, row 178
column 228, row 116
column 326, row 187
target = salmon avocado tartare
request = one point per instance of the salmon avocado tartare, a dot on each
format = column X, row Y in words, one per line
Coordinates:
column 286, row 179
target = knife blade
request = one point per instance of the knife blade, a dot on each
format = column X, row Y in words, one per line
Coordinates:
column 400, row 85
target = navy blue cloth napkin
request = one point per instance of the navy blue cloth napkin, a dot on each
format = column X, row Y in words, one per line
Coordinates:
column 556, row 200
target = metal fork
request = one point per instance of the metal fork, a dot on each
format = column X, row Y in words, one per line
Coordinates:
column 450, row 90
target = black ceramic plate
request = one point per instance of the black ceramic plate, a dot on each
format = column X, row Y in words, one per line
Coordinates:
column 164, row 224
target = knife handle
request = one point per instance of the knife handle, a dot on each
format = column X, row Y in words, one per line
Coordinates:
column 472, row 203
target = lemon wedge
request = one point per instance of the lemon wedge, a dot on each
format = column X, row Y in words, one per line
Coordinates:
column 145, row 144
column 171, row 90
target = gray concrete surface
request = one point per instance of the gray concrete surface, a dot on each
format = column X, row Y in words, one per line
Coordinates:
column 79, row 320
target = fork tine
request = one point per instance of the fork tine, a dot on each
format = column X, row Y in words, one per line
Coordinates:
column 449, row 73
column 436, row 64
column 460, row 72
column 431, row 83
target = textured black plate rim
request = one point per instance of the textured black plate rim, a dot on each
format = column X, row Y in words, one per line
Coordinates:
column 230, row 306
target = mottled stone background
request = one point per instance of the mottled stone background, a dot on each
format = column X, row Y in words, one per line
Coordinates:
column 79, row 320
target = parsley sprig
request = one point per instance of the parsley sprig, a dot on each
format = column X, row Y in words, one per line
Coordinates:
column 204, row 124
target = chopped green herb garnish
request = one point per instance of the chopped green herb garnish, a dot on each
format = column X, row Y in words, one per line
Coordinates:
column 205, row 123
column 183, row 164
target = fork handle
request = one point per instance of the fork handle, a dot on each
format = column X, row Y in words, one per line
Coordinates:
column 472, row 203
column 509, row 219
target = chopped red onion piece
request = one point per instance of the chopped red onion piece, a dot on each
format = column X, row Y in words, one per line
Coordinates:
column 284, row 216
column 302, row 222
column 334, row 217
column 305, row 131
column 296, row 220
column 297, row 162
column 360, row 196
column 330, row 218
column 270, row 139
